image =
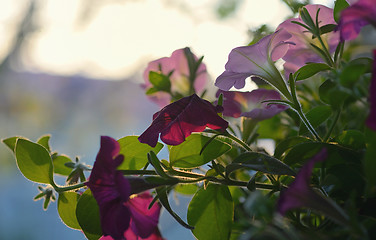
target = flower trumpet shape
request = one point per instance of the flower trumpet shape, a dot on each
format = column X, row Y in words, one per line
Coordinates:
column 353, row 18
column 119, row 213
column 177, row 69
column 249, row 104
column 179, row 119
column 302, row 52
column 256, row 60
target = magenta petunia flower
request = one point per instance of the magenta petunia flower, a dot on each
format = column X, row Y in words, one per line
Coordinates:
column 300, row 194
column 111, row 190
column 249, row 104
column 371, row 120
column 359, row 14
column 177, row 64
column 256, row 60
column 301, row 52
column 179, row 119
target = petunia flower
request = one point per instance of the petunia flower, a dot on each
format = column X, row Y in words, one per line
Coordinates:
column 179, row 119
column 300, row 194
column 249, row 104
column 118, row 212
column 302, row 52
column 371, row 120
column 177, row 66
column 256, row 60
column 355, row 17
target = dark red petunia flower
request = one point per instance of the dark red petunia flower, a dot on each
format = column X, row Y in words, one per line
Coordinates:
column 118, row 212
column 179, row 119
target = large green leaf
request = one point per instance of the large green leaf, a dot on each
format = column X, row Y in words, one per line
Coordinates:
column 316, row 116
column 66, row 206
column 211, row 212
column 260, row 162
column 34, row 161
column 87, row 213
column 135, row 153
column 287, row 144
column 309, row 70
column 187, row 154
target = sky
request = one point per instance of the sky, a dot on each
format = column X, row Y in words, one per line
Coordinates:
column 120, row 37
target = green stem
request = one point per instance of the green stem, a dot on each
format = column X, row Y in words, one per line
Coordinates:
column 326, row 51
column 68, row 188
column 336, row 117
column 308, row 124
column 237, row 140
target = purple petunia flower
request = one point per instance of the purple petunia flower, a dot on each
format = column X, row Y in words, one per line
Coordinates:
column 371, row 120
column 179, row 119
column 300, row 194
column 256, row 60
column 111, row 190
column 353, row 18
column 177, row 64
column 249, row 104
column 301, row 52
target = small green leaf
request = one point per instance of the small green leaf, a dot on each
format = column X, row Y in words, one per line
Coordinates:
column 187, row 154
column 353, row 139
column 87, row 213
column 135, row 153
column 151, row 90
column 260, row 162
column 211, row 212
column 59, row 162
column 338, row 7
column 66, row 206
column 327, row 28
column 160, row 82
column 44, row 141
column 10, row 142
column 309, row 70
column 316, row 116
column 163, row 199
column 287, row 144
column 34, row 161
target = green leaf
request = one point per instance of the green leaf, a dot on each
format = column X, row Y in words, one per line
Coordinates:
column 333, row 93
column 338, row 7
column 135, row 153
column 44, row 141
column 34, row 161
column 153, row 160
column 353, row 71
column 187, row 154
column 353, row 139
column 309, row 70
column 186, row 189
column 10, row 142
column 87, row 213
column 211, row 212
column 287, row 144
column 163, row 199
column 327, row 28
column 336, row 153
column 260, row 162
column 369, row 161
column 151, row 90
column 316, row 116
column 160, row 82
column 59, row 162
column 66, row 206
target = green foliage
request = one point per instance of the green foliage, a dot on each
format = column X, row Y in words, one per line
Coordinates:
column 188, row 154
column 211, row 211
column 66, row 206
column 87, row 213
column 59, row 162
column 135, row 153
column 160, row 82
column 316, row 116
column 338, row 7
column 34, row 161
column 309, row 70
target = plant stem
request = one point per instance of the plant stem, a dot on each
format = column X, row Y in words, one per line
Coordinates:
column 308, row 124
column 68, row 188
column 336, row 117
column 237, row 140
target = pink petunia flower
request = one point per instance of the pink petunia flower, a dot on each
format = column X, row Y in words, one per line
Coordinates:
column 371, row 120
column 354, row 18
column 256, row 60
column 301, row 52
column 177, row 64
column 249, row 104
column 179, row 119
column 118, row 212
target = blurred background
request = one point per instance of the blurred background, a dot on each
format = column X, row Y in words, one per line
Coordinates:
column 73, row 69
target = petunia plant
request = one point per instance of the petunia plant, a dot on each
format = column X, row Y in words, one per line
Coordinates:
column 294, row 158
